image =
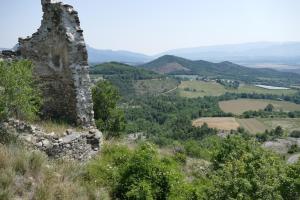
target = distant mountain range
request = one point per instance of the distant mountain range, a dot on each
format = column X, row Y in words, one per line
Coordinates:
column 282, row 56
column 260, row 54
column 101, row 56
column 235, row 51
column 174, row 65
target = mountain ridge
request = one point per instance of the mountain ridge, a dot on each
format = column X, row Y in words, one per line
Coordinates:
column 168, row 64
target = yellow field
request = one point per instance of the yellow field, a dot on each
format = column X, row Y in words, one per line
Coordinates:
column 252, row 125
column 241, row 105
column 201, row 89
column 220, row 123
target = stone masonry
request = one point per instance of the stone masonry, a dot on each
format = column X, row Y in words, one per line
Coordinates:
column 74, row 145
column 59, row 54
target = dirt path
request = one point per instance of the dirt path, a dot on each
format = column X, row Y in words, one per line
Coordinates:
column 170, row 90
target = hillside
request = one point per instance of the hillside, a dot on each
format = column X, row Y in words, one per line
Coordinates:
column 175, row 65
column 123, row 71
column 132, row 81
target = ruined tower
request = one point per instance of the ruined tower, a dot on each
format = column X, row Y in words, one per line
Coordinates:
column 60, row 59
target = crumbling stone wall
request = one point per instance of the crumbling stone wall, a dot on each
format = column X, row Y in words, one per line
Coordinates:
column 74, row 145
column 59, row 54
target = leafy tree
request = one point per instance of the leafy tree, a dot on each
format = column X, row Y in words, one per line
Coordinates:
column 269, row 108
column 108, row 117
column 278, row 132
column 245, row 171
column 19, row 96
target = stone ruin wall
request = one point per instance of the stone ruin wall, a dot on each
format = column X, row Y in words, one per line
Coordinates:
column 60, row 60
column 73, row 144
column 59, row 54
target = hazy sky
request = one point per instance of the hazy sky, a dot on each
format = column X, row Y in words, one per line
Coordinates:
column 152, row 26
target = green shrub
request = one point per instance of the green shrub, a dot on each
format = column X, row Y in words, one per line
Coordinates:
column 137, row 174
column 105, row 169
column 148, row 177
column 180, row 157
column 295, row 134
column 204, row 148
column 294, row 148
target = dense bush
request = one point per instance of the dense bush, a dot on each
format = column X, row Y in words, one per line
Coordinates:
column 138, row 174
column 295, row 134
column 243, row 170
column 19, row 96
column 205, row 148
column 290, row 187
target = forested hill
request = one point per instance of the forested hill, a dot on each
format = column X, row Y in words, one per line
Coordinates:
column 132, row 81
column 123, row 71
column 176, row 65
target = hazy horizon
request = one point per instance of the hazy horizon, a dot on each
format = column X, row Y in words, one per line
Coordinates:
column 152, row 27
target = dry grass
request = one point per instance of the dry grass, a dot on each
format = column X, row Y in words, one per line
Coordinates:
column 241, row 105
column 252, row 125
column 29, row 175
column 220, row 123
column 58, row 128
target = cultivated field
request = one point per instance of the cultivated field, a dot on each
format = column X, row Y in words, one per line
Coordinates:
column 201, row 88
column 220, row 123
column 241, row 105
column 252, row 125
column 288, row 124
